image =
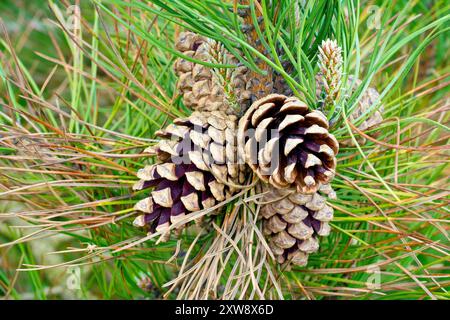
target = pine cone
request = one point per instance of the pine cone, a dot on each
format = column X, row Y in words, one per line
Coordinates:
column 293, row 221
column 196, row 169
column 210, row 89
column 287, row 144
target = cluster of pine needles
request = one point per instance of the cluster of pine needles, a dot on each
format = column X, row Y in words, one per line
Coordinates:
column 84, row 86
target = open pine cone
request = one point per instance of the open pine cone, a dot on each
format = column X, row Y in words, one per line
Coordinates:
column 288, row 145
column 209, row 89
column 292, row 222
column 196, row 169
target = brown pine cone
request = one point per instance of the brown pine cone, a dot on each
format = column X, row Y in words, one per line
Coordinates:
column 196, row 169
column 287, row 144
column 210, row 89
column 292, row 223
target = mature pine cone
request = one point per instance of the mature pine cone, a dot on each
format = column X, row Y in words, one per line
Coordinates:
column 287, row 144
column 293, row 221
column 196, row 169
column 210, row 89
